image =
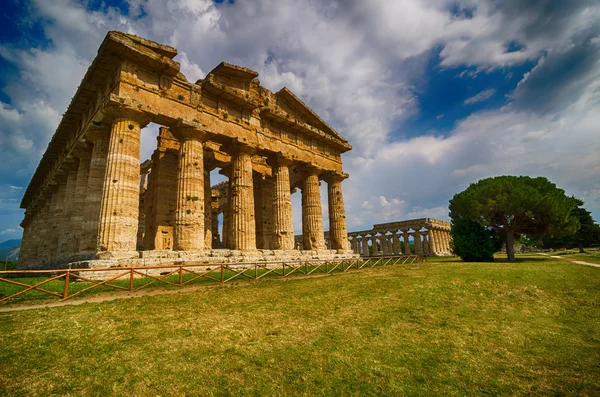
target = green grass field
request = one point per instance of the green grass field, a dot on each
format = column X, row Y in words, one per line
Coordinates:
column 590, row 256
column 443, row 327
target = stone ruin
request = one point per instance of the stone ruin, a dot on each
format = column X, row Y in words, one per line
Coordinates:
column 430, row 237
column 91, row 203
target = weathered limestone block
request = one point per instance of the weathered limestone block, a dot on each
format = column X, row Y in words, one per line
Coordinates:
column 337, row 214
column 189, row 213
column 283, row 227
column 93, row 193
column 242, row 227
column 119, row 209
column 312, row 216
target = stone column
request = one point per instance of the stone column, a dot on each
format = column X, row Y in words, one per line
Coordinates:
column 57, row 214
column 365, row 246
column 384, row 243
column 406, row 242
column 268, row 185
column 425, row 244
column 313, row 236
column 418, row 243
column 188, row 233
column 93, row 194
column 337, row 214
column 216, row 242
column 432, row 242
column 208, row 210
column 395, row 244
column 227, row 217
column 81, row 183
column 242, row 230
column 446, row 241
column 25, row 252
column 65, row 223
column 283, row 228
column 442, row 235
column 119, row 209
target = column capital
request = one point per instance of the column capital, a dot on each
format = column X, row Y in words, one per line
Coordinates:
column 185, row 130
column 97, row 132
column 83, row 151
column 114, row 112
column 237, row 147
column 309, row 169
column 334, row 176
column 278, row 159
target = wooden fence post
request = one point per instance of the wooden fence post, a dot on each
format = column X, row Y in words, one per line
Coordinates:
column 131, row 279
column 67, row 279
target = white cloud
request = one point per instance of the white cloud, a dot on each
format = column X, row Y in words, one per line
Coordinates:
column 355, row 62
column 8, row 231
column 482, row 96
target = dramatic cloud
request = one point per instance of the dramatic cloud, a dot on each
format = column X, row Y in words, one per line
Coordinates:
column 360, row 65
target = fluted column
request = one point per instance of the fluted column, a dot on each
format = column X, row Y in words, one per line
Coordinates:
column 425, row 244
column 93, row 193
column 406, row 242
column 216, row 242
column 81, row 183
column 431, row 241
column 242, row 228
column 338, row 230
column 208, row 210
column 65, row 224
column 395, row 244
column 25, row 252
column 227, row 215
column 312, row 216
column 365, row 246
column 384, row 244
column 188, row 233
column 119, row 209
column 446, row 241
column 283, row 227
column 418, row 243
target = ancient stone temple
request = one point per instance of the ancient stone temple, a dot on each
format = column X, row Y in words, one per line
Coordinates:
column 92, row 202
column 425, row 236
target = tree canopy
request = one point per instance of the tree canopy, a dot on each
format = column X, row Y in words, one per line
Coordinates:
column 587, row 235
column 516, row 205
column 473, row 242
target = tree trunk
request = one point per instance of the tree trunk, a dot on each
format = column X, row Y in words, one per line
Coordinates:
column 581, row 250
column 510, row 249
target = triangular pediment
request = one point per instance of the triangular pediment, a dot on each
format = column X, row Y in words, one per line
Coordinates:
column 289, row 102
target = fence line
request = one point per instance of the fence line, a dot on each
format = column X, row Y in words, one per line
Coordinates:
column 219, row 272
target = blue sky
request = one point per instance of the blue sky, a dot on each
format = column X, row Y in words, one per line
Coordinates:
column 432, row 95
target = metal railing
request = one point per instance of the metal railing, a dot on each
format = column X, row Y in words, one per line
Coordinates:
column 179, row 275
